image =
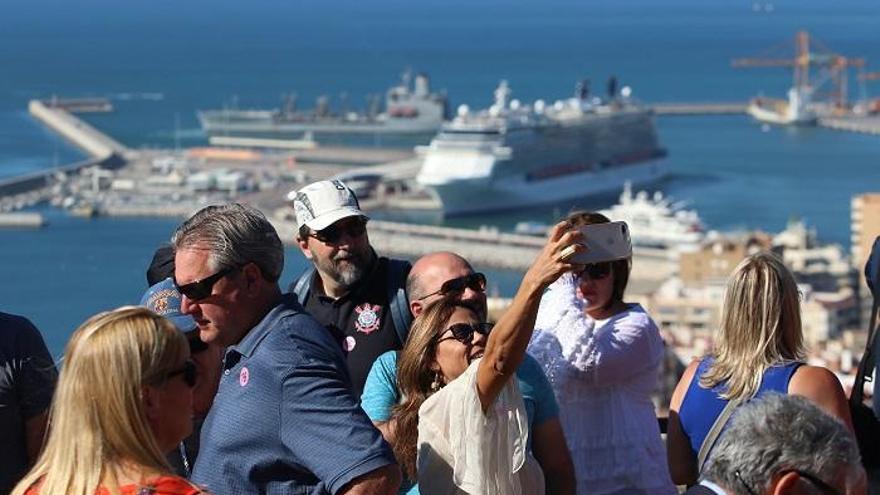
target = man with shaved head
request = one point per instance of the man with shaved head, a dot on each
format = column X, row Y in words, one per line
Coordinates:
column 438, row 274
column 445, row 274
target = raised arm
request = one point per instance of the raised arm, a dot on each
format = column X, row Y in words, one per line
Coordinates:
column 507, row 342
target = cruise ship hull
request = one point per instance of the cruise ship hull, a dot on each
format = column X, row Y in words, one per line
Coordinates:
column 467, row 197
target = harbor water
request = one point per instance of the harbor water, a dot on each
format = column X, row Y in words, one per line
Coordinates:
column 211, row 53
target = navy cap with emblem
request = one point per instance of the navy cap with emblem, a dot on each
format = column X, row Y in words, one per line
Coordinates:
column 164, row 300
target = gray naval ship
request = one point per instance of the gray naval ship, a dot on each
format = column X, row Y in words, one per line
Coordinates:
column 515, row 155
column 411, row 108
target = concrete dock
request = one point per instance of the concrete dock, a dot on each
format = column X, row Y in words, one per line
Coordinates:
column 867, row 124
column 21, row 220
column 730, row 108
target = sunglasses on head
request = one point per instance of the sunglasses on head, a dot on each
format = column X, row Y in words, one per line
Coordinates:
column 475, row 281
column 201, row 289
column 189, row 372
column 464, row 332
column 596, row 271
column 333, row 234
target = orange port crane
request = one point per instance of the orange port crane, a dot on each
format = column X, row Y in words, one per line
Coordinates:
column 809, row 54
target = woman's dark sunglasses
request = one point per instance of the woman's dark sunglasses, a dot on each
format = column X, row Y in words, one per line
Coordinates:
column 201, row 289
column 189, row 372
column 333, row 233
column 475, row 281
column 596, row 271
column 464, row 332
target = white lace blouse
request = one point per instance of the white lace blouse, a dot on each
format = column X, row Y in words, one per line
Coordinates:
column 461, row 450
column 603, row 372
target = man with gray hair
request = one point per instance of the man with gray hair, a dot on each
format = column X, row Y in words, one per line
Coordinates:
column 783, row 444
column 284, row 419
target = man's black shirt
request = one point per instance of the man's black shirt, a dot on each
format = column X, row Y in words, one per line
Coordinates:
column 360, row 320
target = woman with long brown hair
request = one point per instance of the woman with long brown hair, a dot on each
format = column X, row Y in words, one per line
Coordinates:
column 124, row 397
column 462, row 427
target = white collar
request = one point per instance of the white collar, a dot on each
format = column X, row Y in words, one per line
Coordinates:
column 712, row 486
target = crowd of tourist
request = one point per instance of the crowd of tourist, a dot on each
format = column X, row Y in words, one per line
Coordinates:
column 371, row 375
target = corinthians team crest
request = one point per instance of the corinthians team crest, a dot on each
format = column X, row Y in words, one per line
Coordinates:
column 368, row 318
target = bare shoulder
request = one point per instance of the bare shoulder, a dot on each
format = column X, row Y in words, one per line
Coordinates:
column 821, row 387
column 683, row 384
column 813, row 380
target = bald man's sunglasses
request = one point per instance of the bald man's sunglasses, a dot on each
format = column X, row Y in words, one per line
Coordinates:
column 475, row 281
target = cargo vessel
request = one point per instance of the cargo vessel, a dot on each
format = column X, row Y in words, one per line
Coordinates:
column 410, row 108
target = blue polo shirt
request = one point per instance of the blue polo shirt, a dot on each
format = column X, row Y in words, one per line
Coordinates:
column 284, row 419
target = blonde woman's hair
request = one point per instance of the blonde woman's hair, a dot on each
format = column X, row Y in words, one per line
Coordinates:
column 760, row 326
column 97, row 420
column 415, row 377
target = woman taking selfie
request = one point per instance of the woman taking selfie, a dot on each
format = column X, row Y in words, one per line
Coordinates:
column 759, row 348
column 124, row 397
column 602, row 356
column 462, row 426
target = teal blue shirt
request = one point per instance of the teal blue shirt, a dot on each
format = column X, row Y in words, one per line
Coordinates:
column 381, row 394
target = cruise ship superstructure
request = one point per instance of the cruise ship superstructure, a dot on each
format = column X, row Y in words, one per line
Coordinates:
column 513, row 155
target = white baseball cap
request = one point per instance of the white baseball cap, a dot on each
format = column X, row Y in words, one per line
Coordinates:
column 320, row 204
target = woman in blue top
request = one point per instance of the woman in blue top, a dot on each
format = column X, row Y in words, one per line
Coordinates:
column 759, row 348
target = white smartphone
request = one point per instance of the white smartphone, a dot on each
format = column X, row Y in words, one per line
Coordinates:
column 604, row 242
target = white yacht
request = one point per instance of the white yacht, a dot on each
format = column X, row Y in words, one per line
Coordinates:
column 656, row 221
column 514, row 155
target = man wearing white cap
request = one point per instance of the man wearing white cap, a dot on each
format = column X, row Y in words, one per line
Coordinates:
column 359, row 296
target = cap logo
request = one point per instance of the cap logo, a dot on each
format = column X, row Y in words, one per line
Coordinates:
column 303, row 208
column 160, row 302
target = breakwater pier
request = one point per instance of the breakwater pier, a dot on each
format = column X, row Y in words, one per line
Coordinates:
column 60, row 119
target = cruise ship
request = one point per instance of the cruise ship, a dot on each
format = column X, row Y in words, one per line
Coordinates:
column 514, row 155
column 411, row 108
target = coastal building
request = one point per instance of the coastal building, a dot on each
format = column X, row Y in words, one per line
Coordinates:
column 688, row 306
column 865, row 228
